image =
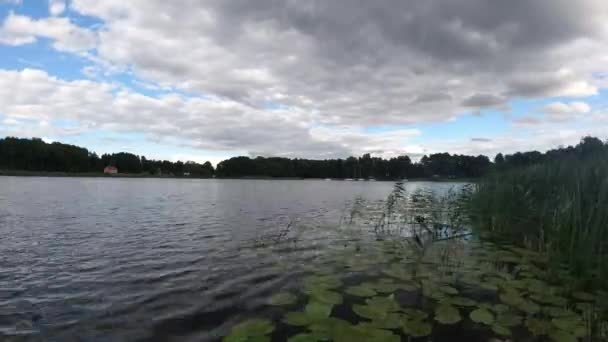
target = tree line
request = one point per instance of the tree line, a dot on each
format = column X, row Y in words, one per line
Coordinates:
column 36, row 155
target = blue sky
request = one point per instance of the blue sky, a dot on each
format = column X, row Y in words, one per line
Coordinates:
column 211, row 81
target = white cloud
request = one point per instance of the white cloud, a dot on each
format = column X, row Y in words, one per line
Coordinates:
column 560, row 111
column 56, row 7
column 18, row 30
column 307, row 78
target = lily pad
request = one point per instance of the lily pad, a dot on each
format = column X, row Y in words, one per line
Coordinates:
column 583, row 296
column 448, row 290
column 304, row 338
column 562, row 336
column 283, row 298
column 362, row 290
column 447, row 314
column 501, row 330
column 387, row 304
column 326, row 296
column 461, row 301
column 317, row 310
column 538, row 327
column 572, row 324
column 508, row 319
column 363, row 333
column 251, row 330
column 416, row 328
column 482, row 316
column 299, row 319
column 415, row 314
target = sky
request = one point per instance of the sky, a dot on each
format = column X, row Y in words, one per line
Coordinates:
column 211, row 79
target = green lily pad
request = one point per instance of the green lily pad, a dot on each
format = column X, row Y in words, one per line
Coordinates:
column 447, row 314
column 316, row 282
column 326, row 296
column 325, row 328
column 297, row 319
column 283, row 298
column 363, row 333
column 507, row 319
column 482, row 316
column 461, row 301
column 390, row 321
column 416, row 328
column 362, row 290
column 572, row 324
column 529, row 307
column 251, row 330
column 318, row 310
column 554, row 311
column 500, row 330
column 387, row 304
column 562, row 336
column 499, row 308
column 583, row 296
column 448, row 290
column 304, row 338
column 549, row 299
column 538, row 327
column 415, row 314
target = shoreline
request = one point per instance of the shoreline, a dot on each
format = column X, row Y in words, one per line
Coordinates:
column 21, row 173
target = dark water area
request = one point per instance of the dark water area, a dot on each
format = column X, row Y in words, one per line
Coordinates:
column 85, row 259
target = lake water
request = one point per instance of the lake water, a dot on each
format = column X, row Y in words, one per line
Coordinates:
column 158, row 259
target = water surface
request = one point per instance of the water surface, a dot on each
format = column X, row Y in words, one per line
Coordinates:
column 159, row 259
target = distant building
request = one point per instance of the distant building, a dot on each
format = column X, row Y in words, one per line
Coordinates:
column 110, row 170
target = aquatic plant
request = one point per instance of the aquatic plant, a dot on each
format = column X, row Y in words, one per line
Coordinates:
column 558, row 208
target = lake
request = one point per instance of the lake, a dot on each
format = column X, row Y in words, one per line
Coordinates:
column 101, row 259
column 128, row 259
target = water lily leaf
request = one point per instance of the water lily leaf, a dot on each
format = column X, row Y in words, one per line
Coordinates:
column 562, row 336
column 250, row 330
column 390, row 321
column 500, row 330
column 529, row 307
column 317, row 310
column 316, row 282
column 363, row 333
column 416, row 328
column 572, row 324
column 447, row 314
column 369, row 312
column 538, row 327
column 415, row 314
column 326, row 296
column 583, row 296
column 511, row 298
column 399, row 273
column 386, row 304
column 554, row 311
column 283, row 298
column 461, row 301
column 325, row 328
column 448, row 290
column 488, row 286
column 297, row 318
column 482, row 316
column 549, row 299
column 498, row 308
column 507, row 319
column 363, row 290
column 304, row 338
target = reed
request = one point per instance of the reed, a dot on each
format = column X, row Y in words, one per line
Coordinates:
column 557, row 207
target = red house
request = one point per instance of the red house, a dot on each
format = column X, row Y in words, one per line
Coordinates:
column 110, row 170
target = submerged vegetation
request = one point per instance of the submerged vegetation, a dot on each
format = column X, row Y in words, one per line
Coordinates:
column 409, row 269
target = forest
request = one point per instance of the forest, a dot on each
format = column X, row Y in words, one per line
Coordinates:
column 36, row 155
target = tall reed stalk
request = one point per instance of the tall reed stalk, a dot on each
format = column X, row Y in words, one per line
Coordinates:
column 557, row 207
